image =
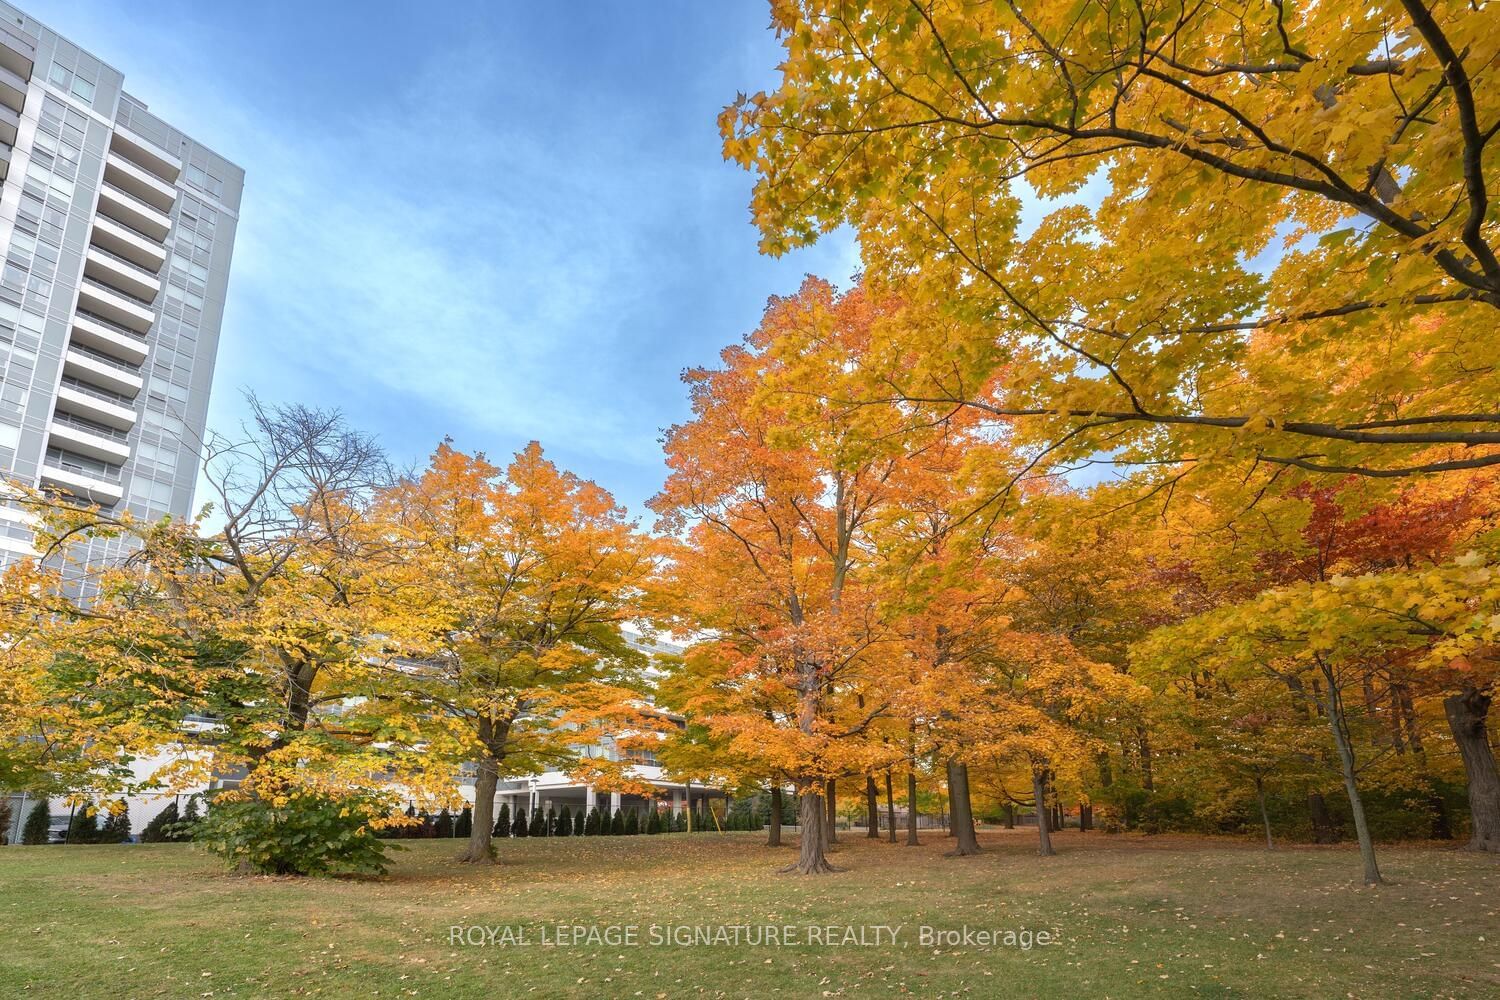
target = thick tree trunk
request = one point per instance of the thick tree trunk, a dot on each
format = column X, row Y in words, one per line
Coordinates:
column 911, row 809
column 773, row 831
column 1467, row 714
column 1043, row 834
column 963, row 810
column 812, row 858
column 890, row 806
column 1337, row 723
column 872, row 808
column 1265, row 818
column 481, row 849
column 1010, row 816
column 833, row 813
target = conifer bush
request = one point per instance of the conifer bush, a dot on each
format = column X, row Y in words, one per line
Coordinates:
column 83, row 828
column 116, row 826
column 38, row 828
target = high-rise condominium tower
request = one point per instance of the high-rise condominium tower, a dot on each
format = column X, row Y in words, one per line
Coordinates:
column 116, row 232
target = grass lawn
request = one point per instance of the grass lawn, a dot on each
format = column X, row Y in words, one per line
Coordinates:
column 1159, row 916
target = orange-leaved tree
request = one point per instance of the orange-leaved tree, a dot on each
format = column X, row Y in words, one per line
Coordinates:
column 774, row 494
column 521, row 581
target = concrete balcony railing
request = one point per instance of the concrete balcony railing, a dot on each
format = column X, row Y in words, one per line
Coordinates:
column 144, row 153
column 115, row 305
column 119, row 272
column 80, row 481
column 75, row 436
column 106, row 373
column 140, row 182
column 108, row 408
column 12, row 89
column 124, row 241
column 117, row 341
column 10, row 124
column 17, row 51
column 139, row 215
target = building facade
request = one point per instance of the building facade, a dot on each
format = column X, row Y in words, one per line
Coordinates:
column 116, row 231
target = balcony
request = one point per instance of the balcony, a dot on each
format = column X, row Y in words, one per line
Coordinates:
column 5, row 154
column 12, row 89
column 145, row 153
column 137, row 214
column 132, row 244
column 139, row 182
column 80, row 481
column 118, row 272
column 118, row 341
column 105, row 444
column 10, row 124
column 107, row 408
column 115, row 305
column 17, row 51
column 100, row 370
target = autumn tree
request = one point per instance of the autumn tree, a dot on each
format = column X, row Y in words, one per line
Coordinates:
column 257, row 619
column 773, row 494
column 521, row 579
column 1094, row 191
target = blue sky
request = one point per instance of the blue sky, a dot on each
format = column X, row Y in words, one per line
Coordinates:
column 497, row 222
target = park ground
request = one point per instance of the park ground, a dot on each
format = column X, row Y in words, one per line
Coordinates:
column 1134, row 916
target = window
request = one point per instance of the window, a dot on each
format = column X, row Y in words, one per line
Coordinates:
column 60, row 75
column 156, row 494
column 164, row 457
column 12, row 398
column 82, row 89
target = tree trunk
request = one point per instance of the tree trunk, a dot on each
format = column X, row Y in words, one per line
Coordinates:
column 872, row 808
column 833, row 827
column 773, row 832
column 1467, row 713
column 1408, row 712
column 812, row 856
column 890, row 806
column 1010, row 816
column 1039, row 790
column 1322, row 823
column 1441, row 828
column 481, row 849
column 1265, row 819
column 1337, row 722
column 911, row 809
column 963, row 810
column 1144, row 739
